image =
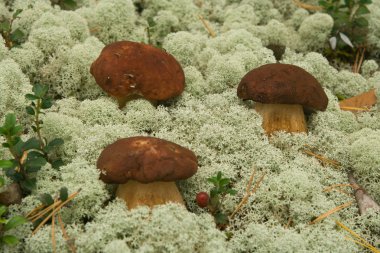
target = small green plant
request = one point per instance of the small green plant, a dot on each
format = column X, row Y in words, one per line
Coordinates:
column 350, row 26
column 12, row 37
column 65, row 4
column 7, row 225
column 213, row 202
column 30, row 155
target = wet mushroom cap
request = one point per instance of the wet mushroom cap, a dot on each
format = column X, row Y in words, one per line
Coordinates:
column 278, row 83
column 146, row 160
column 128, row 68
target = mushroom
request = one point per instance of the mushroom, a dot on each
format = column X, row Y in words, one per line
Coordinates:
column 283, row 93
column 146, row 169
column 128, row 70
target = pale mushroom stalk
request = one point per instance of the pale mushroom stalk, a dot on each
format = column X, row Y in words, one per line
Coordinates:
column 282, row 117
column 150, row 194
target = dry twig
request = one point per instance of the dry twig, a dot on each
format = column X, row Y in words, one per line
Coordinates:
column 358, row 60
column 248, row 192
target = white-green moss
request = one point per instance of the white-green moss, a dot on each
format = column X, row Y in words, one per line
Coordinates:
column 315, row 31
column 167, row 228
column 30, row 58
column 369, row 67
column 13, row 87
column 112, row 20
column 363, row 153
column 185, row 47
column 68, row 72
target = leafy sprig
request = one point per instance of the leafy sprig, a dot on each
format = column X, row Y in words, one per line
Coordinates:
column 31, row 155
column 7, row 225
column 221, row 188
column 350, row 25
column 39, row 102
column 11, row 36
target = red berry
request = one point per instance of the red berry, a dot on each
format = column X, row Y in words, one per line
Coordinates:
column 202, row 199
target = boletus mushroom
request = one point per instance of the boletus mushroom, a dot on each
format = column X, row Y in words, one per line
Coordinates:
column 283, row 93
column 146, row 169
column 127, row 70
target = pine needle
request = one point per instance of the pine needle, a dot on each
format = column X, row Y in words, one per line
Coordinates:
column 55, row 210
column 334, row 186
column 328, row 213
column 355, row 108
column 207, row 26
column 67, row 238
column 54, row 244
column 359, row 240
column 307, row 6
column 248, row 192
column 323, row 159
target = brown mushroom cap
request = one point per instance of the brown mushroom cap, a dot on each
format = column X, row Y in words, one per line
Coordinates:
column 128, row 68
column 278, row 83
column 146, row 159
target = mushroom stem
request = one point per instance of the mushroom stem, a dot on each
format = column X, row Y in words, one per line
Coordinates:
column 282, row 117
column 157, row 193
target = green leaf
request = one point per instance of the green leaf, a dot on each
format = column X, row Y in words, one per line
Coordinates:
column 46, row 199
column 46, row 103
column 28, row 185
column 5, row 26
column 9, row 240
column 6, row 164
column 362, row 10
column 69, row 4
column 224, row 181
column 2, row 183
column 231, row 192
column 32, row 143
column 63, row 193
column 57, row 164
column 17, row 35
column 3, row 210
column 31, row 97
column 16, row 130
column 10, row 121
column 30, row 110
column 35, row 160
column 361, row 22
column 14, row 222
column 39, row 90
column 365, row 1
column 16, row 13
column 53, row 144
column 221, row 218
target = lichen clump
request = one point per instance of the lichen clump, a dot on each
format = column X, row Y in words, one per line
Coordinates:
column 223, row 131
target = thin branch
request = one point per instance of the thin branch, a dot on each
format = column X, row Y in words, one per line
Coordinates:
column 307, row 6
column 363, row 199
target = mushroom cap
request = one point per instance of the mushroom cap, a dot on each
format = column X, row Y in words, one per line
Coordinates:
column 128, row 68
column 145, row 159
column 278, row 83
